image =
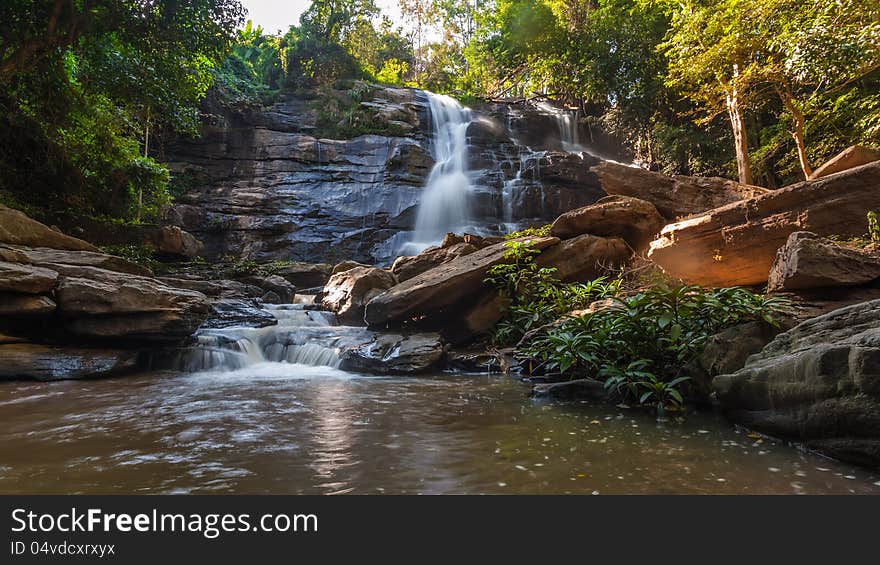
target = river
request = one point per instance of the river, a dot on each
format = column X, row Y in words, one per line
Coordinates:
column 288, row 428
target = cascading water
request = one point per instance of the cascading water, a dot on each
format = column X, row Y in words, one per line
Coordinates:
column 301, row 337
column 444, row 205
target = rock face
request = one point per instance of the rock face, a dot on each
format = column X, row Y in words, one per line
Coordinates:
column 26, row 278
column 395, row 354
column 808, row 261
column 736, row 244
column 636, row 221
column 440, row 287
column 46, row 257
column 849, row 158
column 348, row 292
column 818, row 383
column 18, row 229
column 674, row 197
column 726, row 352
column 283, row 192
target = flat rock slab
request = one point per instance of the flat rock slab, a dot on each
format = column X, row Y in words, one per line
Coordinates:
column 15, row 277
column 737, row 244
column 46, row 257
column 33, row 361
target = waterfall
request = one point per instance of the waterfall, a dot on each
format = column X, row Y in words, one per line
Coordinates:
column 301, row 337
column 444, row 205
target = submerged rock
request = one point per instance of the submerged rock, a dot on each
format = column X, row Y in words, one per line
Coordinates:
column 737, row 244
column 818, row 383
column 808, row 261
column 577, row 389
column 395, row 354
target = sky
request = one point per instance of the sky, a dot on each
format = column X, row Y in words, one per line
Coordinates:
column 275, row 15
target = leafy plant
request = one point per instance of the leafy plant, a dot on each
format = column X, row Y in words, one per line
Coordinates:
column 873, row 227
column 639, row 345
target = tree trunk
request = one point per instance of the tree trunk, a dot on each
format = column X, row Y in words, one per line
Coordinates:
column 146, row 154
column 740, row 141
column 798, row 133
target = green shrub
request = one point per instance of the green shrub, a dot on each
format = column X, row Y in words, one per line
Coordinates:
column 141, row 254
column 640, row 345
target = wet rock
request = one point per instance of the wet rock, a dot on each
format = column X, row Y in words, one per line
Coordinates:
column 442, row 286
column 49, row 258
column 849, row 158
column 395, row 354
column 736, row 244
column 577, row 389
column 674, row 197
column 635, row 221
column 808, row 261
column 49, row 363
column 817, row 383
column 282, row 291
column 473, row 361
column 14, row 304
column 230, row 312
column 15, row 277
column 17, row 229
column 348, row 292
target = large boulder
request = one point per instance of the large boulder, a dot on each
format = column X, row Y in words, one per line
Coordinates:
column 15, row 277
column 18, row 229
column 636, row 221
column 50, row 363
column 395, row 354
column 405, row 268
column 440, row 287
column 736, row 244
column 48, row 258
column 282, row 292
column 175, row 242
column 818, row 383
column 808, row 261
column 674, row 197
column 348, row 292
column 851, row 157
column 105, row 304
column 585, row 257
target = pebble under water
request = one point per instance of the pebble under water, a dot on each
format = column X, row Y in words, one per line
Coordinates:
column 286, row 428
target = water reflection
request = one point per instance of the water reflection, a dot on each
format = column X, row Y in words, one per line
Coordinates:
column 284, row 428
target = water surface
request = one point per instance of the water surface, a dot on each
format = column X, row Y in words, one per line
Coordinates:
column 284, row 428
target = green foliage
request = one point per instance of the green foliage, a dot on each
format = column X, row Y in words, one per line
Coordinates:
column 873, row 227
column 86, row 87
column 640, row 344
column 540, row 231
column 533, row 296
column 143, row 255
